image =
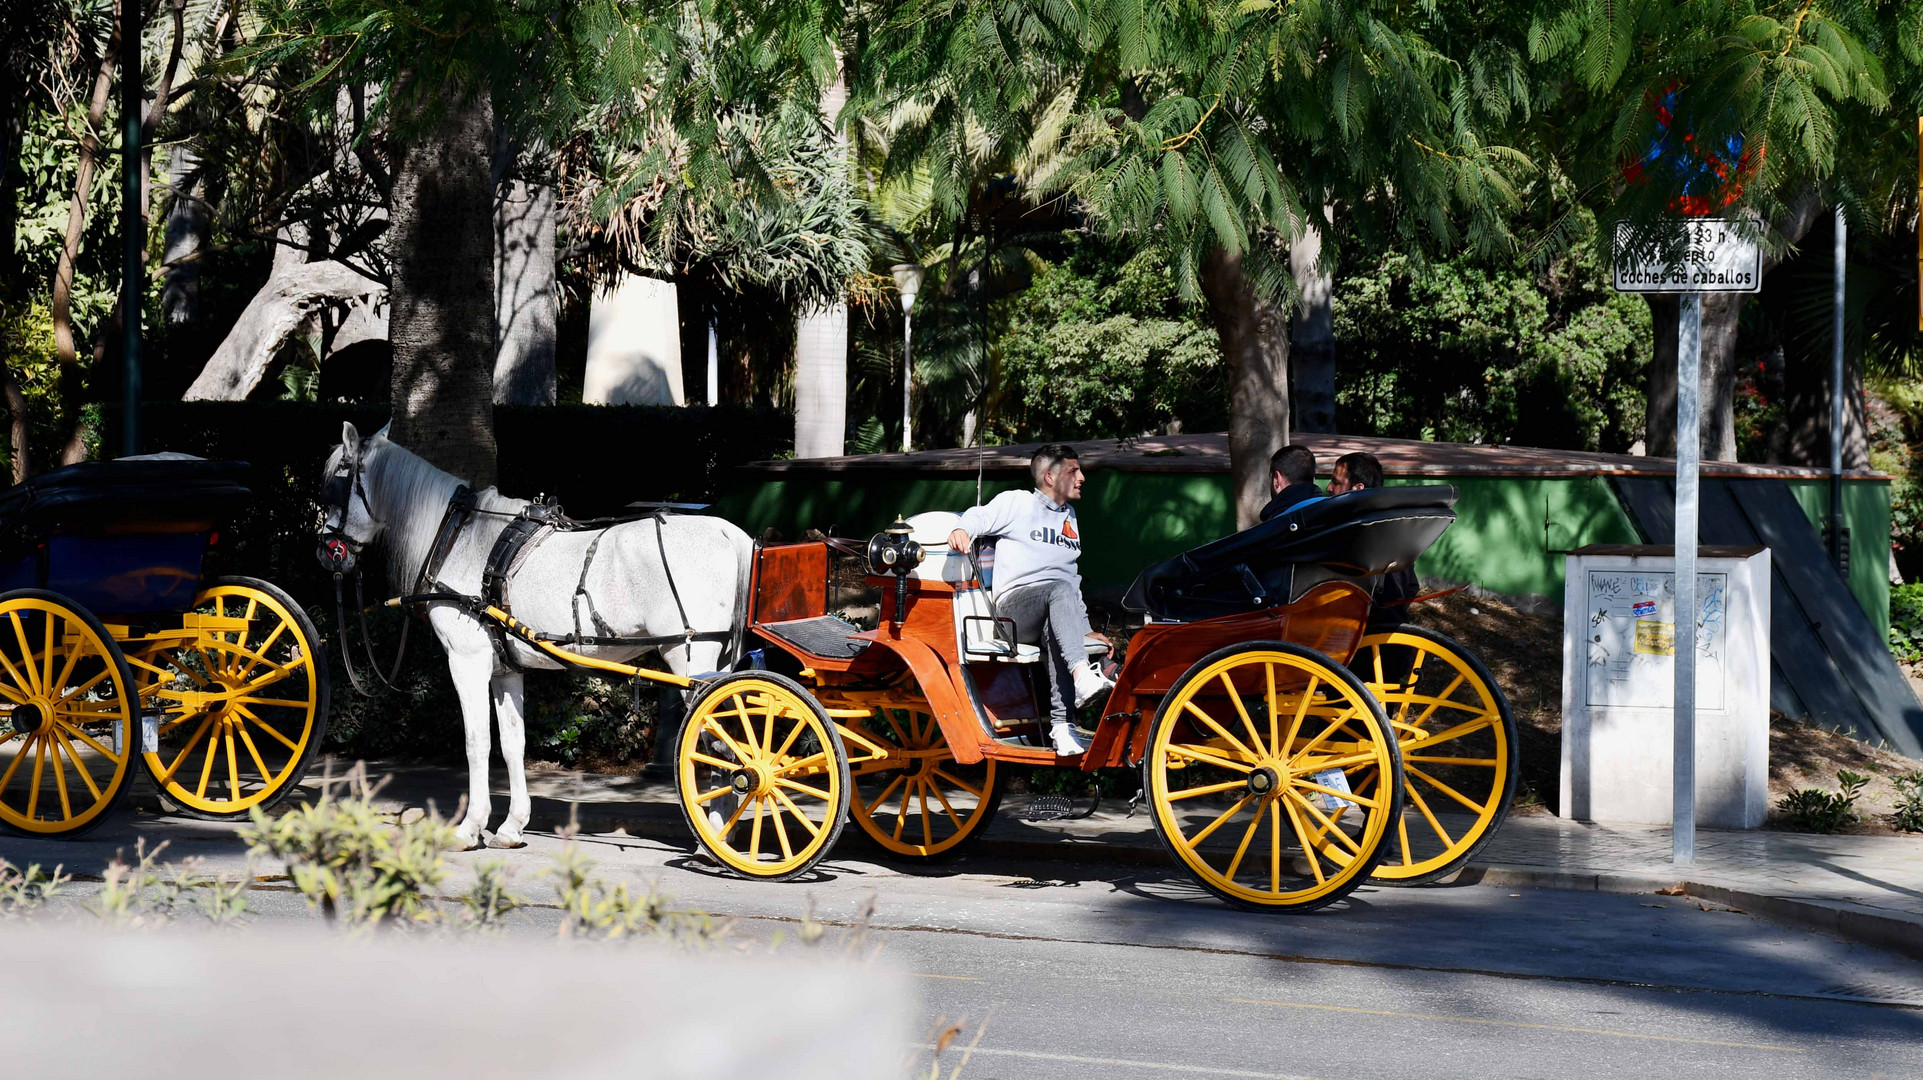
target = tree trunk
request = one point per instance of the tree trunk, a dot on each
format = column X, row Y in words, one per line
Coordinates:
column 821, row 350
column 441, row 248
column 1254, row 340
column 188, row 223
column 1717, row 384
column 291, row 297
column 1312, row 334
column 526, row 306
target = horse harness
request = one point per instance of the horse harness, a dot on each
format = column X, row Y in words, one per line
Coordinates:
column 525, row 531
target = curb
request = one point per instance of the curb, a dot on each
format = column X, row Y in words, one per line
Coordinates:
column 1894, row 931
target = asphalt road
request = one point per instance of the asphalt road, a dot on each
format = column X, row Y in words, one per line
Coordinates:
column 1084, row 970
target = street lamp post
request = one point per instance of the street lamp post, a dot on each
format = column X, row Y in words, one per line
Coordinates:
column 908, row 278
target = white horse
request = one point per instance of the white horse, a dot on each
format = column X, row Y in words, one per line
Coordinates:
column 396, row 495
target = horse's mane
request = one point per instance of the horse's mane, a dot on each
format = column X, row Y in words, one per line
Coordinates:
column 413, row 495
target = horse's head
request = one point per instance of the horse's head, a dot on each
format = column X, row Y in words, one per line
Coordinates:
column 349, row 522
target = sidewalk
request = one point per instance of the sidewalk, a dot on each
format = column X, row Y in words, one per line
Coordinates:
column 1864, row 888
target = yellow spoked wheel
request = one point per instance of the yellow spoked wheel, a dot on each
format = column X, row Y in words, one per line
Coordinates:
column 1247, row 771
column 1458, row 743
column 68, row 716
column 245, row 700
column 917, row 801
column 762, row 775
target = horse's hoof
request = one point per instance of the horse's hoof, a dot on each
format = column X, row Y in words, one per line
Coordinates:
column 464, row 843
column 496, row 840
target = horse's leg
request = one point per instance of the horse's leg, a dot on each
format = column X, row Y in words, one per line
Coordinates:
column 472, row 672
column 508, row 687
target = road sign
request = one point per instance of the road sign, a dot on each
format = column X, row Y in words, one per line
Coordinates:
column 1703, row 255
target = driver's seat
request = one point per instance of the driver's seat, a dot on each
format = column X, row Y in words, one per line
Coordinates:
column 980, row 633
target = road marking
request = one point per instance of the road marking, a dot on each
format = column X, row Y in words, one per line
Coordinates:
column 959, row 978
column 1520, row 1024
column 1076, row 1059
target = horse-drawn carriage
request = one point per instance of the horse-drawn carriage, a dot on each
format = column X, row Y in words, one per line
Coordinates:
column 1286, row 756
column 115, row 647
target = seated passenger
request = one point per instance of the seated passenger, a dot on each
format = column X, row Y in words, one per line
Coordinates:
column 1291, row 480
column 1038, row 583
column 1362, row 472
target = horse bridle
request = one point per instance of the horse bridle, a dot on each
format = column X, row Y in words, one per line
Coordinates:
column 340, row 555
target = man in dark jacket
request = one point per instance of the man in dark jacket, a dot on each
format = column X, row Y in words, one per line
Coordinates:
column 1291, row 480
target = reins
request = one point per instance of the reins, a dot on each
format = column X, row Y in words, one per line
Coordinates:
column 462, row 508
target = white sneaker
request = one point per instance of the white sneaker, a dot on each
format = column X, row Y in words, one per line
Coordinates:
column 1067, row 744
column 1089, row 681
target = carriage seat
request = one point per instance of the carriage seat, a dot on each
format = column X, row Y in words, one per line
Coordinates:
column 124, row 536
column 980, row 633
column 1354, row 537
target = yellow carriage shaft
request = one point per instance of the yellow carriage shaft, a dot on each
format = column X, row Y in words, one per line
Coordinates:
column 533, row 638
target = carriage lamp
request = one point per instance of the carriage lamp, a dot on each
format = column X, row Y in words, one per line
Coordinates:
column 894, row 551
column 908, row 281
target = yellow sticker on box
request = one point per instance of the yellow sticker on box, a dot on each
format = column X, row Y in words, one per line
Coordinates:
column 1655, row 638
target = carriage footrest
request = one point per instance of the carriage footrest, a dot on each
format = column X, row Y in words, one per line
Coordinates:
column 828, row 636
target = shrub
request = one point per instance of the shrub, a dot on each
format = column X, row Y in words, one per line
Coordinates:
column 147, row 893
column 1909, row 801
column 23, row 892
column 1825, row 812
column 1906, row 622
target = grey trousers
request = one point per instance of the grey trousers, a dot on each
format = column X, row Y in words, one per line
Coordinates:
column 1050, row 614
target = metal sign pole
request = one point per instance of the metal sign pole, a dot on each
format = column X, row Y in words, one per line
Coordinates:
column 133, row 224
column 1837, row 391
column 1689, row 343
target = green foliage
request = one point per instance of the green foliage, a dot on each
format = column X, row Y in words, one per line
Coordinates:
column 147, row 894
column 1102, row 346
column 22, row 892
column 1894, row 450
column 1816, row 810
column 591, row 908
column 1909, row 801
column 351, row 863
column 587, row 720
column 1467, row 350
column 1906, row 622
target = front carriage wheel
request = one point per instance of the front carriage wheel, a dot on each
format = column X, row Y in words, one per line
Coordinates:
column 244, row 695
column 1248, row 772
column 1458, row 743
column 916, row 801
column 68, row 716
column 762, row 775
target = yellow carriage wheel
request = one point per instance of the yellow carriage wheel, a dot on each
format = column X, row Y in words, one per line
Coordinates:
column 68, row 720
column 1458, row 743
column 245, row 700
column 762, row 775
column 917, row 801
column 1246, row 772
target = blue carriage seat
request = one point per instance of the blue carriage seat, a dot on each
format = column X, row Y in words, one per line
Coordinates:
column 1354, row 537
column 125, row 536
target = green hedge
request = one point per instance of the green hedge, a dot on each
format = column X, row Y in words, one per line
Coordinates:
column 595, row 459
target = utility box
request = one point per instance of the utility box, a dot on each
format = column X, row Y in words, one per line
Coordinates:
column 1619, row 677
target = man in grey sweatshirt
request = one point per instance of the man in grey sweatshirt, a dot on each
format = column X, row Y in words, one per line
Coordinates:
column 1038, row 583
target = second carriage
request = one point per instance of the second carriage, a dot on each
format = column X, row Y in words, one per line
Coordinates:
column 1287, row 754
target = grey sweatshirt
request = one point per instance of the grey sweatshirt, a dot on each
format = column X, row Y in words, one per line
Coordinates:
column 1038, row 540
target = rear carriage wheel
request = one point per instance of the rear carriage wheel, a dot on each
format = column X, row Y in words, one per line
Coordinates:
column 245, row 701
column 1458, row 743
column 68, row 718
column 762, row 775
column 1247, row 774
column 917, row 801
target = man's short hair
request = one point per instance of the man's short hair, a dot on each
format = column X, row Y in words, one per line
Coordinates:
column 1049, row 457
column 1295, row 463
column 1360, row 469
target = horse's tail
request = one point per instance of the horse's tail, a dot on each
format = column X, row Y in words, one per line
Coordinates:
column 745, row 554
